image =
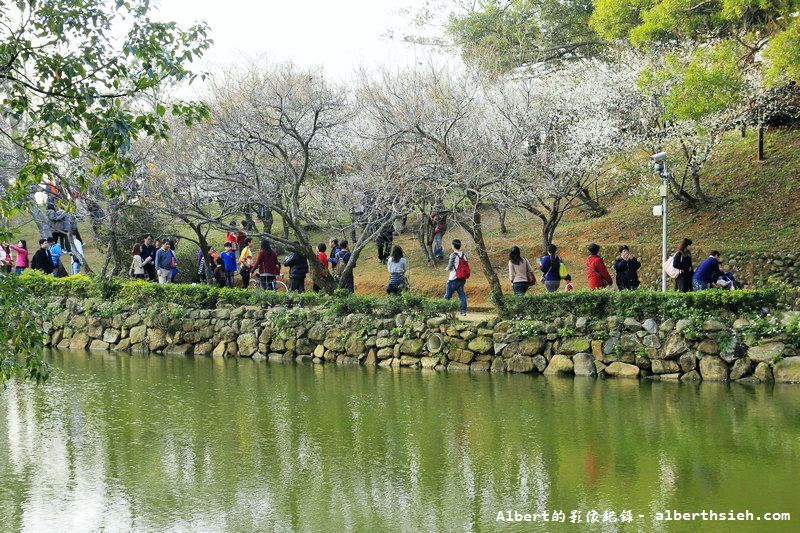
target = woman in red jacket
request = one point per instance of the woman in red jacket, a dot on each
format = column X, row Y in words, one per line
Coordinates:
column 596, row 271
column 267, row 265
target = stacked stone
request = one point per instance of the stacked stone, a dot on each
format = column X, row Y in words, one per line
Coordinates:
column 613, row 347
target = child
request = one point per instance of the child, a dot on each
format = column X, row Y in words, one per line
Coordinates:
column 569, row 285
column 219, row 273
column 229, row 261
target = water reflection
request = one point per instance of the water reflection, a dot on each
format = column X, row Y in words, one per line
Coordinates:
column 170, row 443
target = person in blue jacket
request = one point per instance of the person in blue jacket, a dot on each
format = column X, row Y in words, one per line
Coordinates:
column 551, row 265
column 707, row 273
column 229, row 260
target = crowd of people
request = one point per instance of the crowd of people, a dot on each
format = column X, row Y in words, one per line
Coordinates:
column 46, row 258
column 157, row 261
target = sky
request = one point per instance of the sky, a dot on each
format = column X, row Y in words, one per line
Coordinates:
column 337, row 35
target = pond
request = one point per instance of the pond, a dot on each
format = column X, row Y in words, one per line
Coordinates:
column 151, row 443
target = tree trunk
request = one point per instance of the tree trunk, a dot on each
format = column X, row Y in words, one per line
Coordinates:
column 592, row 205
column 760, row 154
column 267, row 219
column 422, row 232
column 81, row 258
column 501, row 213
column 39, row 218
column 488, row 270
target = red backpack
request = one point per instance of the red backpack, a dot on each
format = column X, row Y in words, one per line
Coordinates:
column 462, row 270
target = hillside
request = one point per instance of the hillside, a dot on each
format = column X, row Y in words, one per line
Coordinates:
column 756, row 208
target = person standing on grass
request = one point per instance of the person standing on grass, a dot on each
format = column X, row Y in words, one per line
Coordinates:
column 149, row 257
column 596, row 271
column 228, row 257
column 137, row 268
column 267, row 265
column 42, row 260
column 298, row 270
column 347, row 281
column 550, row 264
column 77, row 248
column 55, row 252
column 21, row 261
column 459, row 271
column 163, row 263
column 323, row 259
column 245, row 262
column 520, row 272
column 708, row 272
column 220, row 276
column 397, row 266
column 627, row 266
column 682, row 260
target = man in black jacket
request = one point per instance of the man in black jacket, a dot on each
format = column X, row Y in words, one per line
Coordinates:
column 298, row 269
column 149, row 251
column 627, row 266
column 42, row 260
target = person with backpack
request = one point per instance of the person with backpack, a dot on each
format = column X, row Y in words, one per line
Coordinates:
column 55, row 253
column 298, row 270
column 551, row 265
column 459, row 272
column 596, row 271
column 627, row 266
column 520, row 272
column 397, row 266
column 347, row 282
column 679, row 267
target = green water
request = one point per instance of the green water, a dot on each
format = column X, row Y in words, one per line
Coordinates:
column 120, row 443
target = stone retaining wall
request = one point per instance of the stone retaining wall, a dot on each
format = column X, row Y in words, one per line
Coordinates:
column 612, row 347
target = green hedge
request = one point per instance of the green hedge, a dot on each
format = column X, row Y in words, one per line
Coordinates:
column 208, row 297
column 639, row 304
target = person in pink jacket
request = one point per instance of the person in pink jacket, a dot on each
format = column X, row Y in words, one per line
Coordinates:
column 22, row 255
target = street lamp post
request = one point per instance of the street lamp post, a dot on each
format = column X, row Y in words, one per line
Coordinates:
column 660, row 166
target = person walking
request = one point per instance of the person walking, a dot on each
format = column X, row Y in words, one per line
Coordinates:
column 42, row 260
column 298, row 270
column 21, row 261
column 137, row 268
column 267, row 265
column 246, row 262
column 520, row 272
column 550, row 264
column 682, row 261
column 397, row 267
column 707, row 273
column 627, row 266
column 6, row 260
column 459, row 272
column 149, row 257
column 322, row 257
column 346, row 281
column 228, row 257
column 596, row 271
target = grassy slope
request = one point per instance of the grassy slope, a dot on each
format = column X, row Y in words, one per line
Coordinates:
column 757, row 208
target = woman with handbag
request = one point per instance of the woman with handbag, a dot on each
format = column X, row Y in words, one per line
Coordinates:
column 520, row 272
